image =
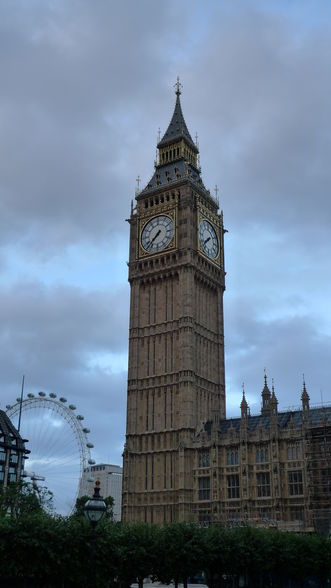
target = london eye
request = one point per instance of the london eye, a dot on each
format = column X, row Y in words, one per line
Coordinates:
column 58, row 442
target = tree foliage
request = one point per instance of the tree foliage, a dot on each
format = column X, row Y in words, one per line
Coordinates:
column 40, row 550
column 22, row 498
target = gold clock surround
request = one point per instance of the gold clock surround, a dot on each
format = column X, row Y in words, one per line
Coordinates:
column 203, row 214
column 141, row 252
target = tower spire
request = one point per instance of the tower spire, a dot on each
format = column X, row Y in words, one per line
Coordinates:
column 304, row 396
column 177, row 129
column 266, row 395
column 178, row 87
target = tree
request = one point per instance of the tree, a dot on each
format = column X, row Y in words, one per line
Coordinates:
column 137, row 552
column 22, row 498
column 180, row 553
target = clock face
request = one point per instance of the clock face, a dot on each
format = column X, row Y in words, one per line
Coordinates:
column 157, row 234
column 208, row 239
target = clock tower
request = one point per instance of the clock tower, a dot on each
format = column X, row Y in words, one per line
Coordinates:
column 176, row 344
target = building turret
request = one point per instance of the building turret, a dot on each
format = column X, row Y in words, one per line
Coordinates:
column 244, row 406
column 273, row 403
column 305, row 397
column 266, row 395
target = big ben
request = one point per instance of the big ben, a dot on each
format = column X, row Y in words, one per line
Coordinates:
column 176, row 379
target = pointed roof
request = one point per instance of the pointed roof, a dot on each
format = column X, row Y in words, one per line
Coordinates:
column 265, row 392
column 273, row 399
column 177, row 128
column 243, row 403
column 304, row 395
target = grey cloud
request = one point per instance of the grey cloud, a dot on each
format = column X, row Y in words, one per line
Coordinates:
column 286, row 347
column 45, row 330
column 266, row 128
column 72, row 80
column 84, row 89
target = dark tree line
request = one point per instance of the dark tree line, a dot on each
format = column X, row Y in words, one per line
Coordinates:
column 43, row 551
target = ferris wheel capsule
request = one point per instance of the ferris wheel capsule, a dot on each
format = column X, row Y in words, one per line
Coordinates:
column 42, row 394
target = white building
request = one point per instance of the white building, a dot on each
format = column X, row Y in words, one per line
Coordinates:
column 110, row 477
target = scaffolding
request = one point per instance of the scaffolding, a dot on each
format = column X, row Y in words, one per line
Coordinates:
column 317, row 452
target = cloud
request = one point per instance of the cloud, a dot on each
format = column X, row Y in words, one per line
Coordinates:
column 266, row 129
column 84, row 89
column 286, row 347
column 59, row 328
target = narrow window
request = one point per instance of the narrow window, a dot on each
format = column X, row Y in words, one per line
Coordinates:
column 166, row 303
column 233, row 486
column 147, row 410
column 295, row 483
column 153, row 410
column 154, row 359
column 204, row 459
column 204, row 488
column 148, row 356
column 146, row 472
column 165, row 471
column 171, row 470
column 149, row 305
column 263, row 484
column 155, row 305
column 172, row 351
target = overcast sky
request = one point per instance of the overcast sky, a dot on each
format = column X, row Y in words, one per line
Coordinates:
column 85, row 85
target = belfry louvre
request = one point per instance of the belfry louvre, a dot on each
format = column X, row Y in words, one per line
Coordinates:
column 183, row 460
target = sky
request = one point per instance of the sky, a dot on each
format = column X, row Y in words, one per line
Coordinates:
column 85, row 86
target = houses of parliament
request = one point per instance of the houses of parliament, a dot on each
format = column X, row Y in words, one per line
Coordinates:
column 183, row 459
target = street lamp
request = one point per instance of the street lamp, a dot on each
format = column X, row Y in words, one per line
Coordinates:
column 94, row 510
column 95, row 507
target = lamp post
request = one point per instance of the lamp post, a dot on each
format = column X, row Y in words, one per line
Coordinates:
column 94, row 510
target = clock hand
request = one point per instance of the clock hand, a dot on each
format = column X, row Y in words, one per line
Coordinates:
column 152, row 241
column 206, row 241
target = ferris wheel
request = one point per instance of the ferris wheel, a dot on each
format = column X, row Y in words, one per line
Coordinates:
column 58, row 442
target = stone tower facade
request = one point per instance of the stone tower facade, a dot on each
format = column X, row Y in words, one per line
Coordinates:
column 176, row 376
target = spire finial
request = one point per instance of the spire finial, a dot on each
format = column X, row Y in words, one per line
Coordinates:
column 265, row 377
column 178, row 87
column 243, row 387
column 138, row 180
column 159, row 135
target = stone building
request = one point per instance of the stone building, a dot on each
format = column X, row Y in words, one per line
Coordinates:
column 183, row 460
column 110, row 478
